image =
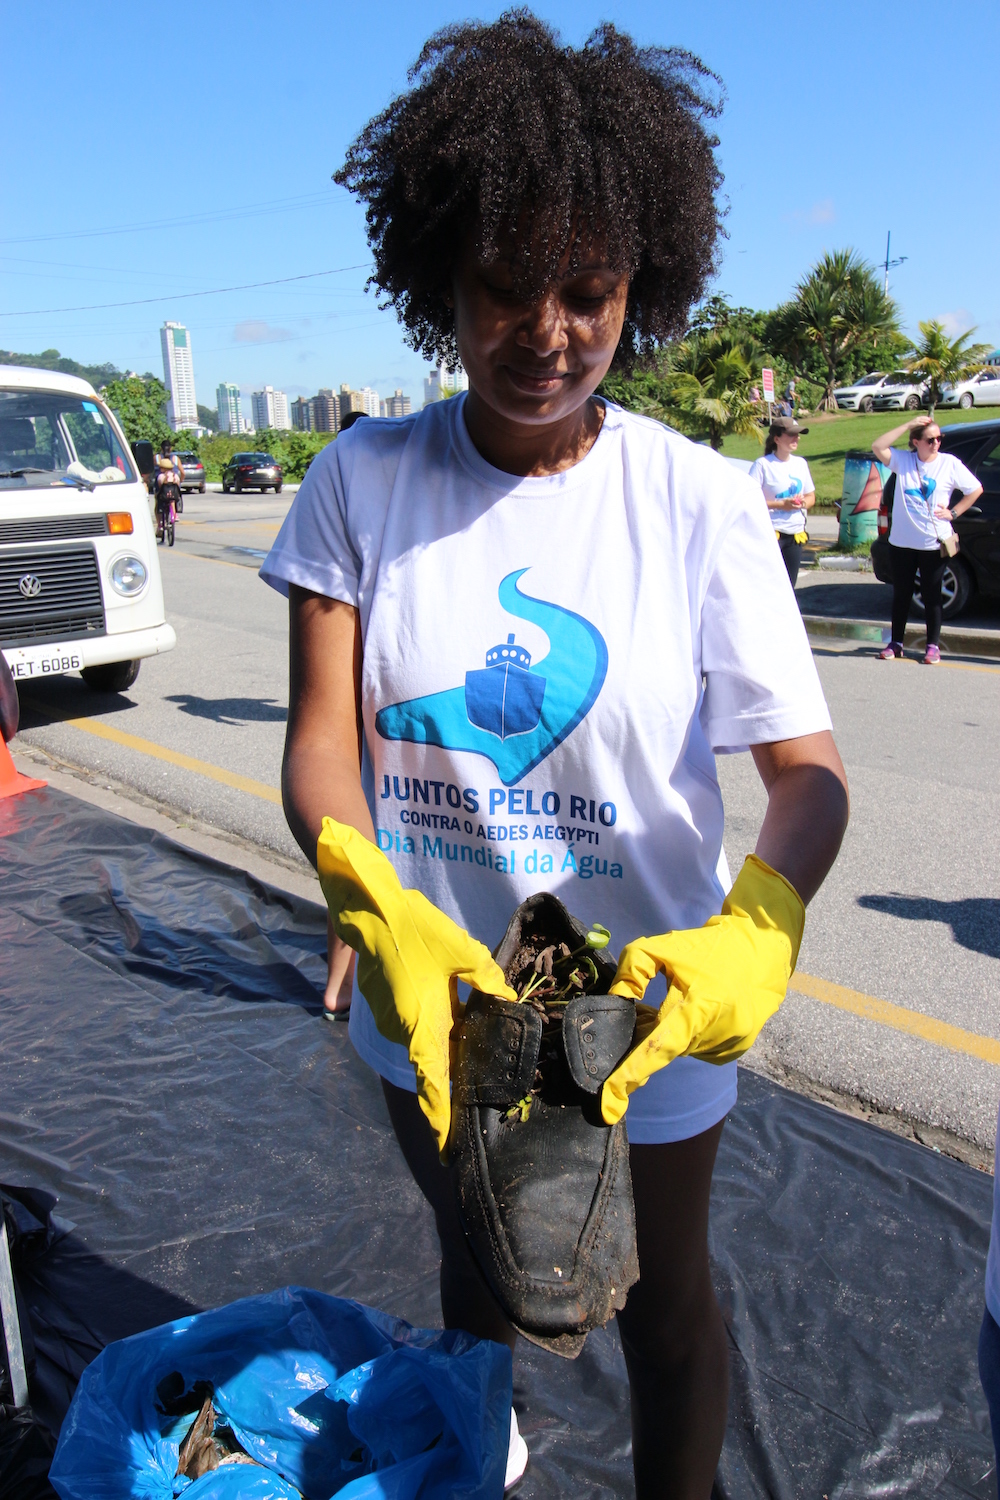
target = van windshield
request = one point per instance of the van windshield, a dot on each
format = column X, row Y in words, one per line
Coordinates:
column 49, row 439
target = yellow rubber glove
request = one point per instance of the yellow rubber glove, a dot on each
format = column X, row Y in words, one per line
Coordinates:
column 410, row 959
column 726, row 979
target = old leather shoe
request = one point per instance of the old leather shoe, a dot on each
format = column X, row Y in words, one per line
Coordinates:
column 542, row 1184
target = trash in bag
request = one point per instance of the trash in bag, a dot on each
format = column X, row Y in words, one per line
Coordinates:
column 291, row 1394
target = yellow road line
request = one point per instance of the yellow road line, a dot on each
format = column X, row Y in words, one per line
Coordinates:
column 912, row 1022
column 222, row 562
column 967, row 666
column 231, row 526
column 176, row 758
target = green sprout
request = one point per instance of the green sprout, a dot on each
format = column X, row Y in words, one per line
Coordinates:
column 558, row 977
column 522, row 1108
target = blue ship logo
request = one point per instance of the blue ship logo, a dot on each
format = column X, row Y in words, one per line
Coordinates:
column 793, row 489
column 513, row 713
column 505, row 697
column 922, row 494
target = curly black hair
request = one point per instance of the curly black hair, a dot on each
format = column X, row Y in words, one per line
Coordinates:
column 509, row 135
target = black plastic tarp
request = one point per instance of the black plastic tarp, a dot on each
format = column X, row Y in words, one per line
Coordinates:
column 167, row 1075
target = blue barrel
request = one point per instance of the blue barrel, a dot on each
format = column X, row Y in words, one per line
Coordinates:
column 864, row 477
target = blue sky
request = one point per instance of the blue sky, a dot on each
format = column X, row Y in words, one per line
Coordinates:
column 222, row 124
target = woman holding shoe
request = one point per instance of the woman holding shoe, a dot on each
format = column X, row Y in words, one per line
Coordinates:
column 539, row 213
column 921, row 533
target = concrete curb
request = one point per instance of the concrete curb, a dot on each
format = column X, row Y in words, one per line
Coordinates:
column 954, row 640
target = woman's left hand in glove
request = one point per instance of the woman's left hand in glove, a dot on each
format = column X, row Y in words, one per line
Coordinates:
column 725, row 979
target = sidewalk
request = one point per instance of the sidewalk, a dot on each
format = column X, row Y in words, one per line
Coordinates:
column 855, row 606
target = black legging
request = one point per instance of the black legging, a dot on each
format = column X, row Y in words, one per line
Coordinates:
column 791, row 554
column 906, row 562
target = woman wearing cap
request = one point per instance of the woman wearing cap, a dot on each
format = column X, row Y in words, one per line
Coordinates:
column 788, row 489
column 921, row 521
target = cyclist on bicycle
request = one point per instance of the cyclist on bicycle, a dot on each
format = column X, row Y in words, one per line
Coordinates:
column 168, row 469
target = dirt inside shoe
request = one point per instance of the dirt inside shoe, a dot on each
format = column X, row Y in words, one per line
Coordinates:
column 542, row 1183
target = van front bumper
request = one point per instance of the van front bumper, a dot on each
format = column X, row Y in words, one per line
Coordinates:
column 54, row 657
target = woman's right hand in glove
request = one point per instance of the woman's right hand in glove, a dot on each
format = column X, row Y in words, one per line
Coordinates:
column 410, row 959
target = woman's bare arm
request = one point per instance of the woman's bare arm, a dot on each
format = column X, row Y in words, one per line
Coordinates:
column 807, row 808
column 321, row 771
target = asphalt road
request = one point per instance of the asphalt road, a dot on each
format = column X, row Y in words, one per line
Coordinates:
column 906, row 929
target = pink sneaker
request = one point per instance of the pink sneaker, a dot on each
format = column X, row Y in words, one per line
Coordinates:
column 932, row 656
column 890, row 652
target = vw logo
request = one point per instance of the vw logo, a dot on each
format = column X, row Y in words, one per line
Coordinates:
column 30, row 585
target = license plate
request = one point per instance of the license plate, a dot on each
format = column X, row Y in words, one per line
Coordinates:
column 54, row 660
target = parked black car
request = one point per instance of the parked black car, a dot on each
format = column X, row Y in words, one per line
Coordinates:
column 252, row 471
column 194, row 472
column 976, row 569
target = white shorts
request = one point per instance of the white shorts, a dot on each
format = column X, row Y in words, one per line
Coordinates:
column 678, row 1102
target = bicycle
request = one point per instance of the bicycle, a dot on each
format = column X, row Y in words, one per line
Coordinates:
column 166, row 513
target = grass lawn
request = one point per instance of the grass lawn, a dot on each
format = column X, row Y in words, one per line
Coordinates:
column 830, row 436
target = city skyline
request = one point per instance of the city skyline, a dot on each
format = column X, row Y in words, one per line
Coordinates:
column 276, row 278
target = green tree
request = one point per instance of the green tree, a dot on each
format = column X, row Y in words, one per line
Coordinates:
column 837, row 308
column 141, row 408
column 945, row 361
column 51, row 359
column 709, row 387
column 700, row 386
column 208, row 417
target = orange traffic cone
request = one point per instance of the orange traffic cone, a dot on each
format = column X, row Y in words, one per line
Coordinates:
column 11, row 780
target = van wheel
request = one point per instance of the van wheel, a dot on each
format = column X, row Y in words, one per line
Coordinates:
column 112, row 677
column 912, row 403
column 866, row 404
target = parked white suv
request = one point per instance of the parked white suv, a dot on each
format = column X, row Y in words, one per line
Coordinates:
column 80, row 586
column 902, row 392
column 979, row 390
column 861, row 395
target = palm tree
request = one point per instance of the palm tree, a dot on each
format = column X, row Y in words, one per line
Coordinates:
column 945, row 361
column 839, row 306
column 701, row 386
column 708, row 392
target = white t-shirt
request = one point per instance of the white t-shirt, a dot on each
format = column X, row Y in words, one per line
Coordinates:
column 919, row 488
column 783, row 480
column 549, row 664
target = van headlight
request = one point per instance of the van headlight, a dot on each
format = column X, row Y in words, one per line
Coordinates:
column 128, row 576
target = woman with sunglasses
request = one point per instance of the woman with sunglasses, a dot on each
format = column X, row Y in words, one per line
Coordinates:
column 926, row 479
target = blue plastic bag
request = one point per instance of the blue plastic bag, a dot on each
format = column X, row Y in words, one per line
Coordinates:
column 333, row 1398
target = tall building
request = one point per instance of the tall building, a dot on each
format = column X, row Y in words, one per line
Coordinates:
column 326, row 409
column 351, row 401
column 372, row 405
column 442, row 382
column 270, row 409
column 227, row 404
column 396, row 405
column 304, row 415
column 178, row 376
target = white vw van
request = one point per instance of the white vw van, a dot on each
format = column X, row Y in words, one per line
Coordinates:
column 80, row 586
